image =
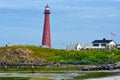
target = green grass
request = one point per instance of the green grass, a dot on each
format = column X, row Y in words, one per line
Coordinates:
column 13, row 78
column 94, row 75
column 54, row 55
column 37, row 69
column 21, row 78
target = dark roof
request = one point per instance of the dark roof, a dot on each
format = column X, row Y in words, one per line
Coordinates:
column 102, row 41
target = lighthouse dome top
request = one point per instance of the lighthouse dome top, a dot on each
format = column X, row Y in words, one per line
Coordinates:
column 47, row 7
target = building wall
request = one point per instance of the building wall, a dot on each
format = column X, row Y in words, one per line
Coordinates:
column 112, row 43
column 72, row 46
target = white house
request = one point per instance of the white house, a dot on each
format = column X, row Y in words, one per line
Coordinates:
column 102, row 44
column 96, row 44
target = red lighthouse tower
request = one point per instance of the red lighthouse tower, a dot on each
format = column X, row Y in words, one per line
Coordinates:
column 46, row 39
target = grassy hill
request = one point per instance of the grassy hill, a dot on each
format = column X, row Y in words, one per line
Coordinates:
column 28, row 53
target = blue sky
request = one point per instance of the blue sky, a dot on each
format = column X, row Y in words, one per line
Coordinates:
column 72, row 21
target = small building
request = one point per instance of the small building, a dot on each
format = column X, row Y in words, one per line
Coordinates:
column 77, row 46
column 102, row 44
column 72, row 46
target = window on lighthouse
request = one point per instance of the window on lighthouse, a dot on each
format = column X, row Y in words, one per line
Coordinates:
column 47, row 8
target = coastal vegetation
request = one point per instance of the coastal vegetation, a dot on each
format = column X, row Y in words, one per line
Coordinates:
column 80, row 76
column 95, row 75
column 27, row 53
column 21, row 78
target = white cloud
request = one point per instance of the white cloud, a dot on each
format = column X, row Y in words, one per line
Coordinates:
column 78, row 7
column 116, row 0
column 20, row 4
column 113, row 15
column 89, row 16
column 57, row 4
column 5, row 6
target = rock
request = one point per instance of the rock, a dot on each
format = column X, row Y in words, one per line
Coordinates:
column 24, row 52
